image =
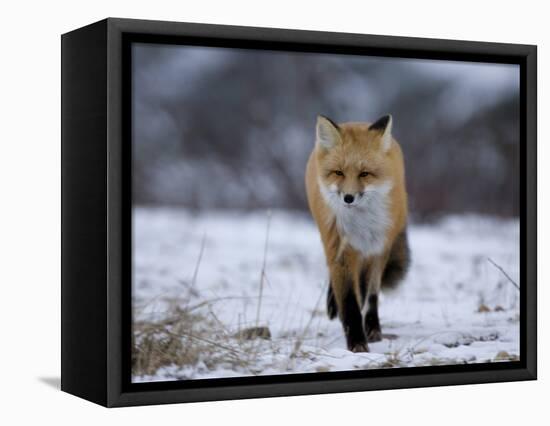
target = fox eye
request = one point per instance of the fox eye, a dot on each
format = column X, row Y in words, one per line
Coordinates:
column 338, row 173
column 363, row 174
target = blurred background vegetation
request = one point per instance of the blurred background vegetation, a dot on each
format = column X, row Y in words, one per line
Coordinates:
column 233, row 128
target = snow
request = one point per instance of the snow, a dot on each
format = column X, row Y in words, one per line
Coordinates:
column 433, row 318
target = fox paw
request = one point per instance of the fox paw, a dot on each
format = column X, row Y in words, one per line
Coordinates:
column 360, row 347
column 374, row 335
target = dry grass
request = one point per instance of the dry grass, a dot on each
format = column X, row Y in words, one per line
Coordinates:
column 184, row 338
column 263, row 276
column 192, row 337
column 501, row 269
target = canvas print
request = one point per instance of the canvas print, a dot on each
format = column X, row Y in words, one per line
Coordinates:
column 300, row 212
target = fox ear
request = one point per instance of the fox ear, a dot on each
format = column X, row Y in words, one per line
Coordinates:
column 384, row 126
column 328, row 133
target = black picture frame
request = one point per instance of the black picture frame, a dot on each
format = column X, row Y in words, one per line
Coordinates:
column 96, row 212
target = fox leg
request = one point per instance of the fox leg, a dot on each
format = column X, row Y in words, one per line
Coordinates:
column 348, row 308
column 372, row 322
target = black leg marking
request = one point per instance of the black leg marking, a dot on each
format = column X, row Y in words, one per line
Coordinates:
column 353, row 327
column 372, row 322
column 332, row 309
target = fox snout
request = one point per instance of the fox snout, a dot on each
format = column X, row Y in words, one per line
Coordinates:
column 350, row 193
column 348, row 198
column 351, row 198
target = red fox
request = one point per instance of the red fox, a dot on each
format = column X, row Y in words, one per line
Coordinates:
column 355, row 181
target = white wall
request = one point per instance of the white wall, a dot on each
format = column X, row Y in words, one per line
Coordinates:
column 29, row 187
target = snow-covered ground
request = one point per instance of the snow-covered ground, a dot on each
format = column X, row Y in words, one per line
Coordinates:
column 455, row 306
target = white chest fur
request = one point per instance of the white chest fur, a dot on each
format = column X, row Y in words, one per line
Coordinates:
column 365, row 224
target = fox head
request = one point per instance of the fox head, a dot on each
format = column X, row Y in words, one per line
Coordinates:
column 353, row 162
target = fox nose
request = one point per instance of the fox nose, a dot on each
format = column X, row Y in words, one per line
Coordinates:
column 348, row 198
